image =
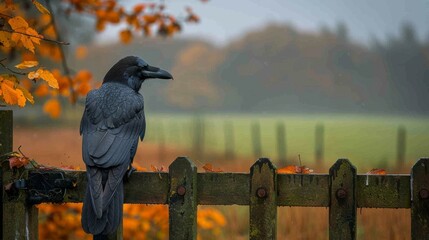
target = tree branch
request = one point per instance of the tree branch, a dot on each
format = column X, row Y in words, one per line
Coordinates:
column 10, row 70
column 42, row 38
column 62, row 53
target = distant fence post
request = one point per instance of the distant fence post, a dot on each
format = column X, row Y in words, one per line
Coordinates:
column 319, row 144
column 199, row 137
column 281, row 144
column 263, row 200
column 256, row 139
column 229, row 140
column 19, row 220
column 420, row 200
column 401, row 147
column 342, row 208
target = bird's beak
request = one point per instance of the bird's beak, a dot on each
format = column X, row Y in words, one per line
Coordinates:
column 154, row 72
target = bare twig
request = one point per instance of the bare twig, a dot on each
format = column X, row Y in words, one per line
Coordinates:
column 42, row 38
column 5, row 15
column 62, row 53
column 10, row 70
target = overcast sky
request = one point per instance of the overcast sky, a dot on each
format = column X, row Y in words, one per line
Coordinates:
column 224, row 20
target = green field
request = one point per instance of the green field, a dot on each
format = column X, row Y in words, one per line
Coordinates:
column 368, row 141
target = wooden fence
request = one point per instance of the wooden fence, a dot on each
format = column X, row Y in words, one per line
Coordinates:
column 183, row 188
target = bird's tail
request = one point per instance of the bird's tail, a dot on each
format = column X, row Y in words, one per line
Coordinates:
column 111, row 212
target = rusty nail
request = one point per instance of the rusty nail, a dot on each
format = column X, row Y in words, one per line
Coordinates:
column 261, row 192
column 181, row 190
column 424, row 193
column 341, row 193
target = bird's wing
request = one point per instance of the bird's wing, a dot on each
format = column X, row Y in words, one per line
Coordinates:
column 111, row 125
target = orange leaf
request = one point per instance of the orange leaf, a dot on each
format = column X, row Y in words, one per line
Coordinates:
column 18, row 23
column 5, row 39
column 27, row 64
column 42, row 90
column 156, row 169
column 377, row 171
column 126, row 36
column 81, row 52
column 26, row 94
column 292, row 169
column 11, row 95
column 209, row 168
column 52, row 107
column 18, row 161
column 40, row 7
column 45, row 75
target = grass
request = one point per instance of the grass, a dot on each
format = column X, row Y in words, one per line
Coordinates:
column 368, row 141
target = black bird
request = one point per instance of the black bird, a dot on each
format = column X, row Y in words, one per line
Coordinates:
column 111, row 125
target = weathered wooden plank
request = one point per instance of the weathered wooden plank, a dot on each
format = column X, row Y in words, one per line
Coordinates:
column 223, row 188
column 342, row 210
column 182, row 200
column 383, row 191
column 308, row 190
column 263, row 200
column 303, row 190
column 420, row 200
column 20, row 221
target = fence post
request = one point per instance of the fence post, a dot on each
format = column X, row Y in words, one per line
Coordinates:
column 19, row 220
column 401, row 147
column 342, row 209
column 263, row 200
column 281, row 144
column 420, row 199
column 319, row 144
column 183, row 200
column 229, row 140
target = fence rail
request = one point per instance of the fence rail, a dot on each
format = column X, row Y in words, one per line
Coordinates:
column 262, row 189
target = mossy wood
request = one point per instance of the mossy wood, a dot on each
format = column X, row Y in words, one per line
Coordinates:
column 307, row 190
column 263, row 200
column 420, row 200
column 20, row 221
column 182, row 200
column 342, row 210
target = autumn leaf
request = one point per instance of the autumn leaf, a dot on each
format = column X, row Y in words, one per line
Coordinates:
column 42, row 90
column 209, row 168
column 293, row 169
column 81, row 52
column 52, row 107
column 377, row 171
column 27, row 64
column 26, row 93
column 24, row 33
column 126, row 36
column 5, row 39
column 10, row 94
column 156, row 169
column 40, row 7
column 45, row 75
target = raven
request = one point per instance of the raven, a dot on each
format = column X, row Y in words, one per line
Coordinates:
column 111, row 125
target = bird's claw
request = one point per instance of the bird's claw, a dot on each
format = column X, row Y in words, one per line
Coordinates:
column 130, row 171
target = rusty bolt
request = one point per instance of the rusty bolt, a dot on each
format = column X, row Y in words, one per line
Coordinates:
column 261, row 192
column 341, row 193
column 181, row 190
column 424, row 193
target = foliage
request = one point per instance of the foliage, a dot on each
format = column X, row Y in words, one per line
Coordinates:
column 31, row 38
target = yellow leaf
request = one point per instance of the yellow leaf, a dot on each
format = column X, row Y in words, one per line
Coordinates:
column 33, row 32
column 33, row 74
column 26, row 93
column 27, row 64
column 49, row 78
column 11, row 95
column 5, row 39
column 45, row 75
column 18, row 23
column 52, row 107
column 41, row 8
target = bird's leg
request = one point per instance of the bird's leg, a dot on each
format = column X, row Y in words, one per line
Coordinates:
column 130, row 171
